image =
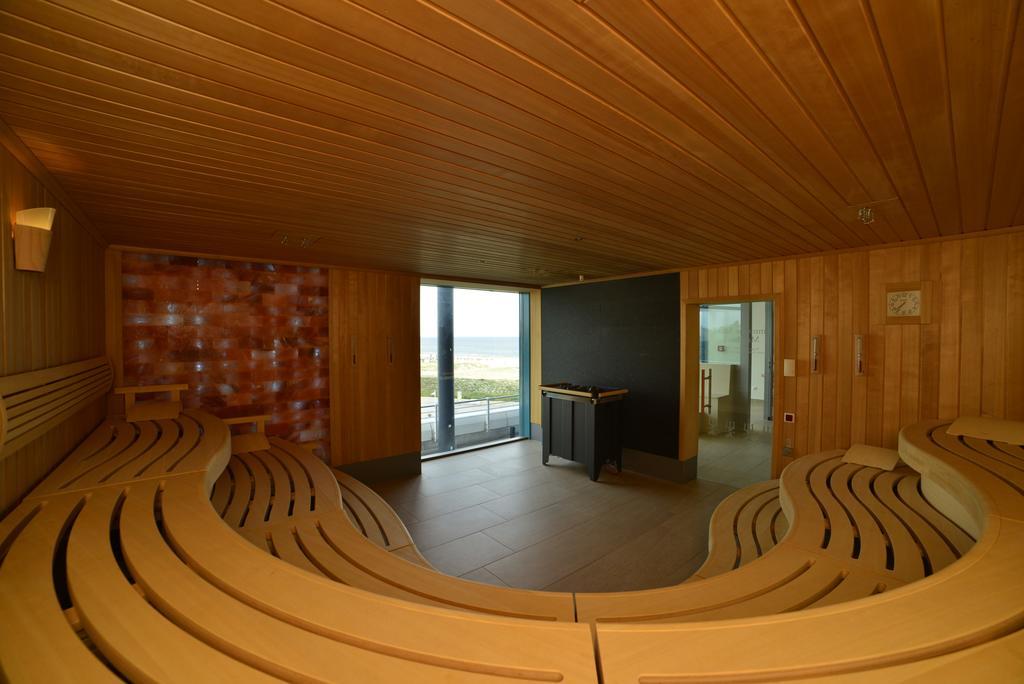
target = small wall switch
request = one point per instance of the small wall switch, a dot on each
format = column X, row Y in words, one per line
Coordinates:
column 789, row 417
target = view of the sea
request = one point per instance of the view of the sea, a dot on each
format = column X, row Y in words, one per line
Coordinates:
column 475, row 346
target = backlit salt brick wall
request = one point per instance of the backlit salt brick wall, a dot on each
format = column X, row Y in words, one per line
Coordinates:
column 247, row 338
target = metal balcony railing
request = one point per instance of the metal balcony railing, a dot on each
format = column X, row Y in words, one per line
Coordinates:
column 476, row 420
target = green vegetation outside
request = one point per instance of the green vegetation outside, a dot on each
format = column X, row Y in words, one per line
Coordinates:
column 472, row 388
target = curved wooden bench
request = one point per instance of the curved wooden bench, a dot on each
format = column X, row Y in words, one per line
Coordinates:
column 968, row 612
column 117, row 567
column 287, row 502
column 746, row 525
column 377, row 521
column 856, row 531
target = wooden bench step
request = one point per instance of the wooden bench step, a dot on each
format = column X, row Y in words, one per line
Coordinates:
column 856, row 531
column 351, row 535
column 107, row 579
column 745, row 525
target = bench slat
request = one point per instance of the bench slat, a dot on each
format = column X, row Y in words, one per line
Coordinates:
column 746, row 524
column 33, row 620
column 872, row 542
column 286, row 547
column 302, row 489
column 935, row 548
column 259, row 505
column 225, row 560
column 910, row 493
column 238, row 506
column 140, row 642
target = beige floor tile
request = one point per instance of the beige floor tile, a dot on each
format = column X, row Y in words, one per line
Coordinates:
column 536, row 526
column 445, row 528
column 427, row 507
column 462, row 555
column 485, row 576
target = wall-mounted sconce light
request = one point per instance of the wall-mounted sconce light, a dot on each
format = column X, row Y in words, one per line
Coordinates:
column 789, row 368
column 32, row 233
column 858, row 355
column 816, row 354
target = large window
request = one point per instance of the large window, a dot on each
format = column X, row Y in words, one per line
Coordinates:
column 472, row 356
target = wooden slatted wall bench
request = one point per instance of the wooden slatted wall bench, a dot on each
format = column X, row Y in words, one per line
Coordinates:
column 287, row 502
column 118, row 568
column 33, row 403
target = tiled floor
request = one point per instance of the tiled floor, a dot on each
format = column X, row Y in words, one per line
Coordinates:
column 736, row 460
column 497, row 515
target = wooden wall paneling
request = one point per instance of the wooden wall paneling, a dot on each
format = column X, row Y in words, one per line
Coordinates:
column 50, row 318
column 846, row 328
column 971, row 321
column 1015, row 328
column 113, row 313
column 535, row 357
column 876, row 346
column 786, row 280
column 830, row 351
column 815, row 399
column 861, row 326
column 374, row 369
column 931, row 272
column 993, row 310
column 966, row 358
column 949, row 330
column 803, row 350
column 910, row 363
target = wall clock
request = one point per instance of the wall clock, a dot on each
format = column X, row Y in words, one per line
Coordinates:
column 907, row 303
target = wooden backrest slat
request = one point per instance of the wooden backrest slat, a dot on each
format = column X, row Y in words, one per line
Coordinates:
column 41, row 410
column 13, row 384
column 33, row 403
column 23, row 402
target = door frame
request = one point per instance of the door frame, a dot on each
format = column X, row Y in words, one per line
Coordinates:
column 689, row 371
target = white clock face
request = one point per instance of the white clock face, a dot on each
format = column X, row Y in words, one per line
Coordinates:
column 903, row 303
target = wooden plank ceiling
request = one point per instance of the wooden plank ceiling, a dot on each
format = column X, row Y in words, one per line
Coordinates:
column 525, row 141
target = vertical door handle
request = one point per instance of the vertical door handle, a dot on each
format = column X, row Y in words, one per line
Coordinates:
column 352, row 341
column 391, row 350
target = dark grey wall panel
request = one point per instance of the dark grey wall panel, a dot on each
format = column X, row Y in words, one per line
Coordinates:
column 620, row 333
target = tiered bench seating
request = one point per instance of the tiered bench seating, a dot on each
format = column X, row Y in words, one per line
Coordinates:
column 744, row 526
column 965, row 618
column 117, row 567
column 376, row 519
column 287, row 502
column 856, row 531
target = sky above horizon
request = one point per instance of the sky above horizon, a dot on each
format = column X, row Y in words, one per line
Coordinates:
column 478, row 313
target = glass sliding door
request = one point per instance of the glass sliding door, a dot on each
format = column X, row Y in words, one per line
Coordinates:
column 471, row 363
column 735, row 392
